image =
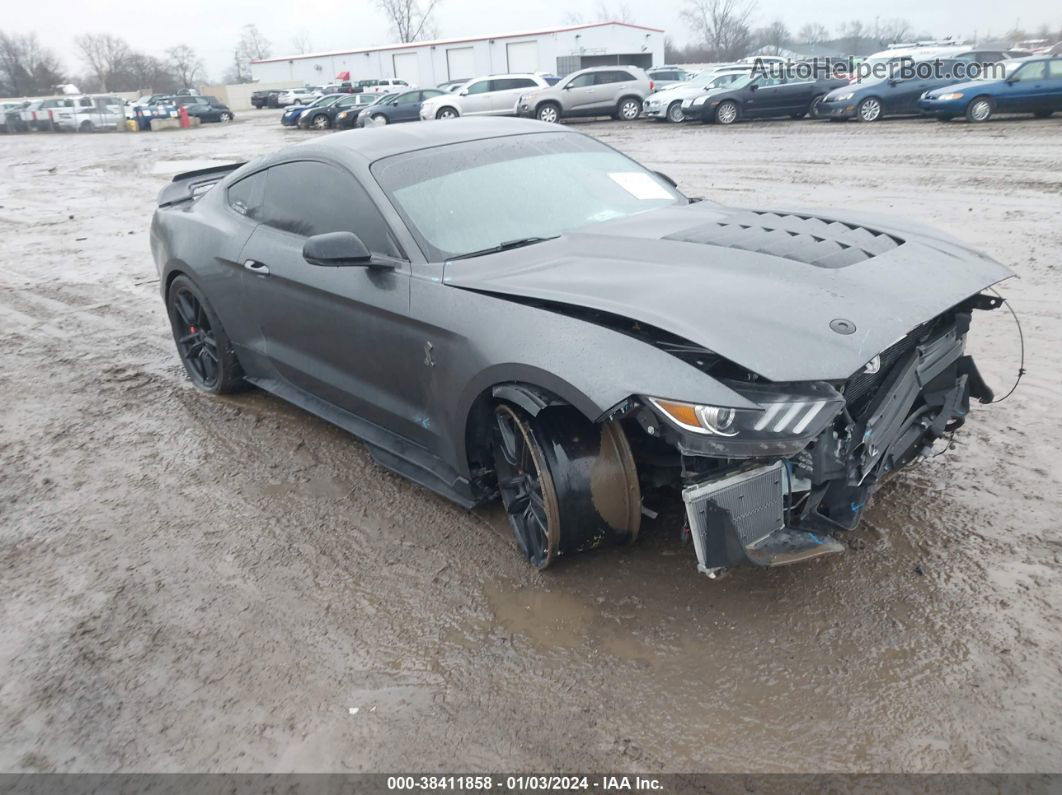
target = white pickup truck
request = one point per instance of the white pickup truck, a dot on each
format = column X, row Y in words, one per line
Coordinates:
column 89, row 113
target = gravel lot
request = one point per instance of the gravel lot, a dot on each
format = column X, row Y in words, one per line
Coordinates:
column 195, row 583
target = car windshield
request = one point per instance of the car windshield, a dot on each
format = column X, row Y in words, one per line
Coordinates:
column 326, row 101
column 472, row 196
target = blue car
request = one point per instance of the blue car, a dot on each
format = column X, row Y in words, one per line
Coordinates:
column 1026, row 85
column 291, row 115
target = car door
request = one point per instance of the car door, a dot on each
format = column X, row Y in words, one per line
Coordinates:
column 795, row 95
column 580, row 94
column 1053, row 95
column 340, row 334
column 610, row 85
column 506, row 91
column 1025, row 89
column 764, row 97
column 475, row 98
column 404, row 107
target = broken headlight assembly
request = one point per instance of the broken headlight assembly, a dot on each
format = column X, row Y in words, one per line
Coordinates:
column 789, row 417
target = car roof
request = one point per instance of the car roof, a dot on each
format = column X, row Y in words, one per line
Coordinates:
column 378, row 142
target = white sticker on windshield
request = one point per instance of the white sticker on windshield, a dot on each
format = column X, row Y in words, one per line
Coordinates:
column 640, row 185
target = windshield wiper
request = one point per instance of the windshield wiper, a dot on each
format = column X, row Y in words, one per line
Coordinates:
column 506, row 246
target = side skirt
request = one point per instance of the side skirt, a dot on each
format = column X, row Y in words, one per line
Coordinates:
column 388, row 449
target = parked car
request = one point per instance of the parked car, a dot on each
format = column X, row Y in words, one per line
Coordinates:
column 493, row 95
column 760, row 96
column 667, row 104
column 872, row 100
column 291, row 115
column 296, row 96
column 617, row 91
column 204, row 108
column 557, row 326
column 451, row 86
column 668, row 76
column 10, row 116
column 260, row 99
column 397, row 108
column 342, row 114
column 89, row 113
column 1029, row 85
column 386, row 85
column 38, row 114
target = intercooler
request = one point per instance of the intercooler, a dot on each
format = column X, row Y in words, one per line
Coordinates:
column 747, row 503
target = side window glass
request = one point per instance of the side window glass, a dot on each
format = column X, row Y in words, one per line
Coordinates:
column 479, row 87
column 1054, row 69
column 1029, row 72
column 582, row 81
column 245, row 196
column 308, row 198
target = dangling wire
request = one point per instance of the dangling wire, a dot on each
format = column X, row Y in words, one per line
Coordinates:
column 1021, row 340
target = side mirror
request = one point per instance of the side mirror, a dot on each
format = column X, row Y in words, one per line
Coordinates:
column 463, row 92
column 567, row 86
column 893, row 82
column 336, row 249
column 754, row 87
column 1011, row 81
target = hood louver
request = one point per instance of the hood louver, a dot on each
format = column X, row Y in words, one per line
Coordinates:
column 802, row 238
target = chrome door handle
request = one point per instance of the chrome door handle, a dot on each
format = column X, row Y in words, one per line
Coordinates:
column 256, row 267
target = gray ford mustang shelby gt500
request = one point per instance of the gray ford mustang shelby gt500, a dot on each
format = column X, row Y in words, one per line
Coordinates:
column 504, row 307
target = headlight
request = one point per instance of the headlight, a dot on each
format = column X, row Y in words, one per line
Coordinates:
column 789, row 418
column 699, row 101
column 949, row 97
column 343, row 114
column 840, row 97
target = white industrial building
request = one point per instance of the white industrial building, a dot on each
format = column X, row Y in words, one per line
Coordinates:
column 428, row 63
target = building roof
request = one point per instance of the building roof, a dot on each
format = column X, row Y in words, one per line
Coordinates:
column 438, row 42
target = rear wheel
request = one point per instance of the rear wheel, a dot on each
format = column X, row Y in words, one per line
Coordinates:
column 87, row 127
column 674, row 112
column 548, row 112
column 205, row 349
column 224, row 117
column 446, row 113
column 869, row 109
column 628, row 109
column 816, row 103
column 567, row 484
column 727, row 112
column 321, row 122
column 980, row 109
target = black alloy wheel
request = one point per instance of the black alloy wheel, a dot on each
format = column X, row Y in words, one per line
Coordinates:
column 202, row 343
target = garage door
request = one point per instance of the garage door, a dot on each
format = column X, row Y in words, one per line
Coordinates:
column 522, row 56
column 460, row 63
column 406, row 67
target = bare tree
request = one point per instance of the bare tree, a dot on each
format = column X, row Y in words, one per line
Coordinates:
column 146, row 72
column 105, row 56
column 606, row 12
column 252, row 46
column 723, row 25
column 300, row 42
column 186, row 64
column 813, row 33
column 775, row 36
column 890, row 31
column 410, row 22
column 26, row 67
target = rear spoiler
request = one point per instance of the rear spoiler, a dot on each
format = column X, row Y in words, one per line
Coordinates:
column 190, row 185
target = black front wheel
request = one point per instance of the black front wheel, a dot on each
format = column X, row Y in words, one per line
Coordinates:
column 205, row 349
column 567, row 484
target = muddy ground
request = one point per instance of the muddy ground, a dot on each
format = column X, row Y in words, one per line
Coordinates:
column 196, row 583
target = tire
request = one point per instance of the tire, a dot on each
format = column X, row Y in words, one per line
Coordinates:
column 380, row 119
column 869, row 110
column 549, row 112
column 224, row 117
column 726, row 112
column 321, row 122
column 674, row 112
column 979, row 110
column 87, row 127
column 1043, row 114
column 567, row 485
column 202, row 344
column 628, row 109
column 813, row 109
column 446, row 113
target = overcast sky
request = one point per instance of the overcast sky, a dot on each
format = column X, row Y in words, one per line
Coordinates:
column 213, row 26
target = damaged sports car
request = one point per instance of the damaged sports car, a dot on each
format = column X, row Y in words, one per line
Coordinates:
column 504, row 308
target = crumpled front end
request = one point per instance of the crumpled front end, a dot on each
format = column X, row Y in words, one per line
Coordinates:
column 770, row 487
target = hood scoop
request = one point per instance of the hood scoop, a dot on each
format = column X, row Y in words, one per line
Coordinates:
column 821, row 242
